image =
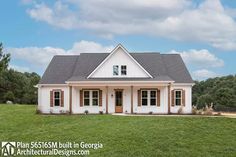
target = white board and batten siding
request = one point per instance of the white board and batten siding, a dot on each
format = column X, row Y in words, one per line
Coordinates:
column 119, row 57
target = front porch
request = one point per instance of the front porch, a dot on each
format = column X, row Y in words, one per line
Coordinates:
column 119, row 98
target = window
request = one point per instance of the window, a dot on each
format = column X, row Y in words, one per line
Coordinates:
column 153, row 98
column 91, row 97
column 57, row 98
column 123, row 70
column 178, row 96
column 95, row 98
column 115, row 70
column 149, row 97
column 86, row 98
column 144, row 98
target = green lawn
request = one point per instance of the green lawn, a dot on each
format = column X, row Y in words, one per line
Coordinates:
column 123, row 136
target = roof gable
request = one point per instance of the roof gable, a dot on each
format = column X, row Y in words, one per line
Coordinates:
column 119, row 56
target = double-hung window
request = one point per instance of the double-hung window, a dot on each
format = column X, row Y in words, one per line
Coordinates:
column 153, row 97
column 123, row 70
column 115, row 70
column 95, row 98
column 149, row 97
column 86, row 98
column 57, row 98
column 144, row 98
column 178, row 97
column 91, row 97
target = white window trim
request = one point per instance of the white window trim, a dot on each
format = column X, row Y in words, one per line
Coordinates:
column 125, row 70
column 86, row 98
column 148, row 98
column 113, row 71
column 178, row 98
column 152, row 97
column 56, row 98
column 91, row 98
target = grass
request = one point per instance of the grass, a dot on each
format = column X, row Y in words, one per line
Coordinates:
column 121, row 135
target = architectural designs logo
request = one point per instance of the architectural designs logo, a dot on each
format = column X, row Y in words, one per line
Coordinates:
column 8, row 148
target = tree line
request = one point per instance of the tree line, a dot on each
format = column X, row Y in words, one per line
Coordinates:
column 16, row 86
column 220, row 91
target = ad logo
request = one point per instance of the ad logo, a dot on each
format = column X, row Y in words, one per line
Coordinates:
column 8, row 148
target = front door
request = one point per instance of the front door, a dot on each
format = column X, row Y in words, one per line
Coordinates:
column 118, row 101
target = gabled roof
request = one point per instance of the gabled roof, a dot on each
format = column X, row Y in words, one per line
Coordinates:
column 59, row 70
column 162, row 67
column 109, row 56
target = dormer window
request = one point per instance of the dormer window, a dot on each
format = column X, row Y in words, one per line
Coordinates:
column 123, row 70
column 115, row 70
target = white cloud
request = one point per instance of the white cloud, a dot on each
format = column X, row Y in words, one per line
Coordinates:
column 39, row 57
column 19, row 68
column 59, row 15
column 208, row 22
column 204, row 74
column 200, row 58
column 89, row 47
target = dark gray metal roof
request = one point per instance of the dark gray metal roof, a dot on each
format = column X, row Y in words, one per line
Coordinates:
column 163, row 67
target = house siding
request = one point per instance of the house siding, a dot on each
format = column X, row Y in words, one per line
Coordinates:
column 119, row 58
column 187, row 109
column 44, row 100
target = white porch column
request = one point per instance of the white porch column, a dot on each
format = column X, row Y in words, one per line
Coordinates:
column 106, row 99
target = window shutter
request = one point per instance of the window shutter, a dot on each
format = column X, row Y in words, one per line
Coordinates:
column 183, row 97
column 139, row 97
column 173, row 98
column 81, row 98
column 62, row 98
column 51, row 98
column 158, row 98
column 100, row 97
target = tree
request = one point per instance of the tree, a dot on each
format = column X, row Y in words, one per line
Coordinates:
column 9, row 96
column 4, row 59
column 204, row 100
column 221, row 91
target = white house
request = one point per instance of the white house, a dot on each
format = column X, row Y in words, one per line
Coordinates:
column 116, row 82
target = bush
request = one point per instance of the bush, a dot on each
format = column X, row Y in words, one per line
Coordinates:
column 100, row 112
column 180, row 110
column 194, row 109
column 9, row 96
column 150, row 112
column 38, row 111
column 203, row 100
column 86, row 112
column 208, row 110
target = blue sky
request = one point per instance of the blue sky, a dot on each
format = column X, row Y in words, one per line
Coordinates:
column 202, row 31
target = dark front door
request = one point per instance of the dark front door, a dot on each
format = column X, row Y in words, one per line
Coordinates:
column 118, row 101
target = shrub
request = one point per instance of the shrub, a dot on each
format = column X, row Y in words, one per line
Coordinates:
column 150, row 112
column 86, row 112
column 38, row 111
column 208, row 110
column 200, row 111
column 100, row 112
column 180, row 110
column 194, row 109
